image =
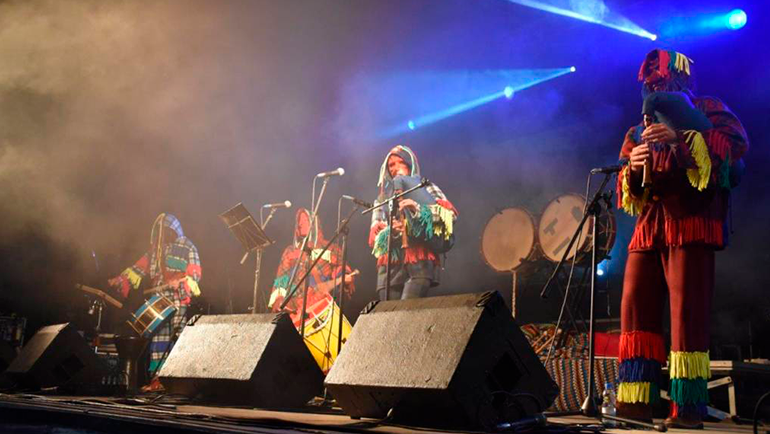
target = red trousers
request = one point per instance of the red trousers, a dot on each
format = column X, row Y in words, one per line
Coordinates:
column 684, row 275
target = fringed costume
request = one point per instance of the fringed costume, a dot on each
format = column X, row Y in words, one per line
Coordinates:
column 321, row 280
column 173, row 260
column 414, row 269
column 682, row 221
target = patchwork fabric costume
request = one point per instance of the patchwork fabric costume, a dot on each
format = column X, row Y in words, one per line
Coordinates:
column 328, row 268
column 416, row 268
column 174, row 259
column 682, row 221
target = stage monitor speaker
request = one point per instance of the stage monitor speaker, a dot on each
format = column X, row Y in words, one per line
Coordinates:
column 449, row 361
column 258, row 360
column 56, row 356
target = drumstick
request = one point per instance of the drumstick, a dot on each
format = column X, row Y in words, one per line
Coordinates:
column 99, row 293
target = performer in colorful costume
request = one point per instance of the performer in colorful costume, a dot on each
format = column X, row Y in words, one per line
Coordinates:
column 413, row 269
column 682, row 221
column 328, row 268
column 172, row 260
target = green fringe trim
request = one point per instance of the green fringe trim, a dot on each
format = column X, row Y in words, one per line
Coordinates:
column 699, row 176
column 281, row 281
column 686, row 391
column 644, row 392
column 723, row 177
column 632, row 206
column 381, row 246
column 689, row 365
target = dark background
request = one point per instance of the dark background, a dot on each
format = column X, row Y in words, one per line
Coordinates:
column 112, row 112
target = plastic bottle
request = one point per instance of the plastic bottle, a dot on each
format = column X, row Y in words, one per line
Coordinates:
column 609, row 404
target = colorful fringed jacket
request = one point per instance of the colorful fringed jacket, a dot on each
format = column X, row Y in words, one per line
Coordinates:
column 321, row 279
column 177, row 262
column 687, row 202
column 435, row 219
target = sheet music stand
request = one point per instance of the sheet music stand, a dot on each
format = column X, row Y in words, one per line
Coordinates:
column 252, row 238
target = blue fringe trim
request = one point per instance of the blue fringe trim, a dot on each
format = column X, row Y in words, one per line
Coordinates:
column 638, row 370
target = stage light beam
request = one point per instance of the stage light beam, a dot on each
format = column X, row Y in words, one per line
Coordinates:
column 591, row 11
column 508, row 92
column 735, row 19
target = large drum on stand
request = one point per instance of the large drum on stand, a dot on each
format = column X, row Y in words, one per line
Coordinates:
column 558, row 223
column 508, row 244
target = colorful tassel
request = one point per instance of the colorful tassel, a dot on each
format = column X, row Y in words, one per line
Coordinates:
column 639, row 370
column 192, row 286
column 700, row 175
column 684, row 391
column 689, row 365
column 381, row 243
column 694, row 229
column 688, row 410
column 133, row 277
column 647, row 345
column 631, row 205
column 642, row 392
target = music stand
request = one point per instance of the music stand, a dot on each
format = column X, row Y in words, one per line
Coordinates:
column 252, row 238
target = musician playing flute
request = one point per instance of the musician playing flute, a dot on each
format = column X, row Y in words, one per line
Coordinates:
column 681, row 223
column 414, row 262
column 172, row 261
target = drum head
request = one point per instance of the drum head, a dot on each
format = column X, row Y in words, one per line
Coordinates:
column 508, row 239
column 557, row 225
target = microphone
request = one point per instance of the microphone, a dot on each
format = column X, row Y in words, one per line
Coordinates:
column 357, row 201
column 339, row 172
column 609, row 169
column 285, row 204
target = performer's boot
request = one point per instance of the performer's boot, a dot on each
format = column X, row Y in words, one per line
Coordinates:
column 689, row 373
column 637, row 411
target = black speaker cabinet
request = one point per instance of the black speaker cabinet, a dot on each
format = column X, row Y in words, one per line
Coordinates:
column 56, row 356
column 258, row 360
column 449, row 361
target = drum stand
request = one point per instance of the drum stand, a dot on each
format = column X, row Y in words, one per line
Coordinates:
column 589, row 407
column 391, row 202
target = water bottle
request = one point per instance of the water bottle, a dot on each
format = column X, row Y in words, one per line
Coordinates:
column 608, row 404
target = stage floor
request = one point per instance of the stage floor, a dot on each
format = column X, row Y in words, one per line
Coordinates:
column 25, row 413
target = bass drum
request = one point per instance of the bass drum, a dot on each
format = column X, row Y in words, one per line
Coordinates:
column 558, row 223
column 508, row 240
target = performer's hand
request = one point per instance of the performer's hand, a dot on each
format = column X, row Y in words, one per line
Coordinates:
column 408, row 203
column 639, row 156
column 659, row 133
column 398, row 226
column 115, row 281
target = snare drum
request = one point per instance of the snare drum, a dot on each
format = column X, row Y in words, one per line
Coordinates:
column 321, row 331
column 151, row 315
column 559, row 222
column 508, row 240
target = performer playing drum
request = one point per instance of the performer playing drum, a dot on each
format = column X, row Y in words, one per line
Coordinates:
column 173, row 264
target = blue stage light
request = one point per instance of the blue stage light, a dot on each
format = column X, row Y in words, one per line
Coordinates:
column 592, row 11
column 599, row 272
column 508, row 92
column 735, row 19
column 411, row 125
column 572, row 69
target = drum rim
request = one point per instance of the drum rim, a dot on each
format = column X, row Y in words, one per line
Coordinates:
column 610, row 215
column 533, row 248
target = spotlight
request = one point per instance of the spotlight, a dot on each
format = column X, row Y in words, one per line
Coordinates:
column 735, row 19
column 599, row 272
column 411, row 125
column 508, row 92
column 572, row 69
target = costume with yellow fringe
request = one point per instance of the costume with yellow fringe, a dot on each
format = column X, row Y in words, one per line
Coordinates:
column 432, row 221
column 681, row 221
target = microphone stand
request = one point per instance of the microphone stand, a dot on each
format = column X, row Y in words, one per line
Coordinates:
column 344, row 247
column 391, row 202
column 290, row 295
column 593, row 210
column 258, row 265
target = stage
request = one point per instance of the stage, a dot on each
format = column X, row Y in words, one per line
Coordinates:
column 22, row 413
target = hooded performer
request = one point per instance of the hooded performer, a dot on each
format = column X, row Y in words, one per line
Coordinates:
column 320, row 280
column 415, row 268
column 173, row 261
column 682, row 217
